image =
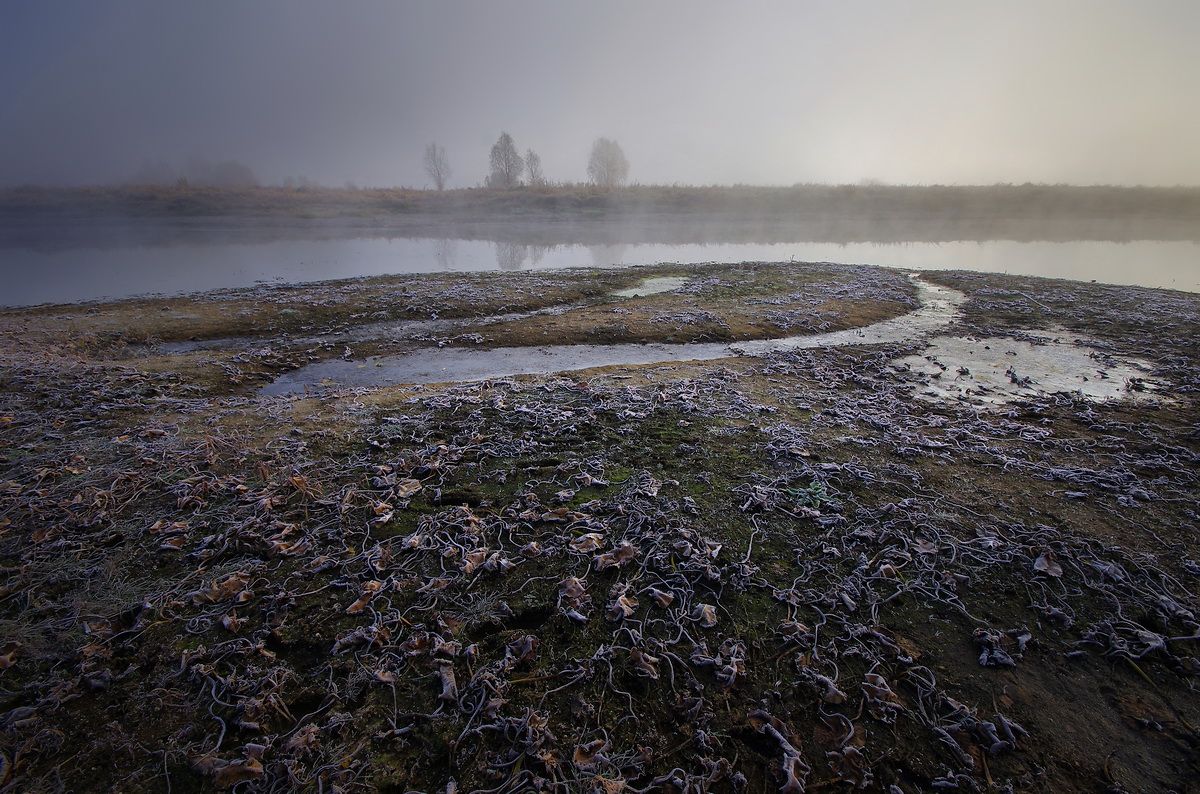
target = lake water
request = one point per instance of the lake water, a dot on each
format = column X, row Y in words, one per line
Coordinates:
column 68, row 274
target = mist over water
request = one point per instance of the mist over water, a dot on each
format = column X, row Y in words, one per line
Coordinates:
column 171, row 99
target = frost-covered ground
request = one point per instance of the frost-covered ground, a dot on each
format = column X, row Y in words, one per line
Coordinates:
column 784, row 571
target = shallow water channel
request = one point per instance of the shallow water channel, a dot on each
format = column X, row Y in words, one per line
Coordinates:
column 938, row 307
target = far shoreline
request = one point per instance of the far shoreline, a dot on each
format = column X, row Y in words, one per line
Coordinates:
column 37, row 216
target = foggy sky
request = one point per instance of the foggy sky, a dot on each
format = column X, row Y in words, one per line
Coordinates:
column 1095, row 91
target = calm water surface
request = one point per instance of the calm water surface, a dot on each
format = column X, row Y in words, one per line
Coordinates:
column 80, row 273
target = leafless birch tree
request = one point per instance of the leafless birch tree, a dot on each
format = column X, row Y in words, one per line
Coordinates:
column 507, row 164
column 436, row 165
column 607, row 167
column 533, row 167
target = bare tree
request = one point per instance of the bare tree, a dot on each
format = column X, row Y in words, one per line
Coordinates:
column 507, row 164
column 533, row 165
column 436, row 165
column 607, row 167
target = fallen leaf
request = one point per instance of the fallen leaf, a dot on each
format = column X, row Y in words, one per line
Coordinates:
column 1047, row 564
column 406, row 488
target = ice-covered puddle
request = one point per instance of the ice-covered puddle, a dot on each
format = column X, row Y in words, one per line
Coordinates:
column 996, row 370
column 651, row 286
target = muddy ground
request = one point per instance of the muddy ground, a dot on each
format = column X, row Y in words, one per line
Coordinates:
column 789, row 572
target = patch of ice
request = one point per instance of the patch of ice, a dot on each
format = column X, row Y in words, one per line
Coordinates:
column 997, row 370
column 651, row 286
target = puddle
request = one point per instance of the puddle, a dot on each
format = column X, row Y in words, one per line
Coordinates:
column 651, row 286
column 996, row 370
column 938, row 307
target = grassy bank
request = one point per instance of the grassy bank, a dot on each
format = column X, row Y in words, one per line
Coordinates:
column 236, row 338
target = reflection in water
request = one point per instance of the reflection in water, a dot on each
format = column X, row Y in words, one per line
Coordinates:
column 445, row 251
column 511, row 256
column 538, row 252
column 608, row 255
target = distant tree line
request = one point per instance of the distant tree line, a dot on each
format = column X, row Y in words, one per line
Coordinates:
column 698, row 214
column 607, row 165
column 197, row 172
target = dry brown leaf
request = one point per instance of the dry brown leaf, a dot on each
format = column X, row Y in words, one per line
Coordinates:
column 706, row 614
column 589, row 542
column 1048, row 564
column 406, row 488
